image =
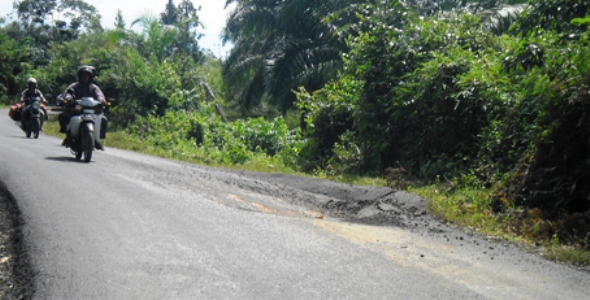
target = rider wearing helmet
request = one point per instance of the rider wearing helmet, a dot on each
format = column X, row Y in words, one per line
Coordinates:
column 25, row 99
column 31, row 91
column 82, row 88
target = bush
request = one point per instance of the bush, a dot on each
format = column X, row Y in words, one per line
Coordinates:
column 553, row 174
column 206, row 137
column 328, row 114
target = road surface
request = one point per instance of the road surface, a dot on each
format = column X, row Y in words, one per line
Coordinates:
column 130, row 226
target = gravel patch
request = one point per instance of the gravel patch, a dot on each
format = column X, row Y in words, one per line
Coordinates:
column 360, row 204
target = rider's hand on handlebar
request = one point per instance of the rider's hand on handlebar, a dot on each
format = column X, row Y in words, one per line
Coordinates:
column 78, row 108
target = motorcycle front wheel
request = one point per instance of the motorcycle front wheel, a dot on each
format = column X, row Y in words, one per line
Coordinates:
column 35, row 128
column 87, row 144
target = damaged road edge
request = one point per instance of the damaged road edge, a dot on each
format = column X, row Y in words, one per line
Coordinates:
column 16, row 276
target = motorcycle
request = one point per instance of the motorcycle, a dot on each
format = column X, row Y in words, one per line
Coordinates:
column 33, row 117
column 86, row 128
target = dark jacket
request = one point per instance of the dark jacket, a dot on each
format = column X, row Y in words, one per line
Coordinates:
column 78, row 90
column 26, row 94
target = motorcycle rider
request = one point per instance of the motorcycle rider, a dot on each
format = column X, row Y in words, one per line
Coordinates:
column 25, row 99
column 82, row 88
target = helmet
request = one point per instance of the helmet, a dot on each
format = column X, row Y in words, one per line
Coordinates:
column 88, row 69
column 32, row 80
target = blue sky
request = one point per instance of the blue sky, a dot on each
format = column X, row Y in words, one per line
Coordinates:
column 212, row 15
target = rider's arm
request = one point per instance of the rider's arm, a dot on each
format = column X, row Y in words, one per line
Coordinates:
column 69, row 95
column 99, row 95
column 43, row 100
column 22, row 96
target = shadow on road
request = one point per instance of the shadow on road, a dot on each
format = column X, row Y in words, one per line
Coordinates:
column 23, row 137
column 65, row 158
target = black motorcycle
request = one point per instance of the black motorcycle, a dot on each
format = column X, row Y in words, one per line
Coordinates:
column 33, row 117
column 86, row 128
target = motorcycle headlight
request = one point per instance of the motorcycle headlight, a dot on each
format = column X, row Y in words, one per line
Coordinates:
column 36, row 105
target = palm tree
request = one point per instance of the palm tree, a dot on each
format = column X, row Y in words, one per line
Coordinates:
column 279, row 46
column 496, row 15
column 156, row 39
column 282, row 45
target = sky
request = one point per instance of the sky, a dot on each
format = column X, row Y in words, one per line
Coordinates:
column 212, row 15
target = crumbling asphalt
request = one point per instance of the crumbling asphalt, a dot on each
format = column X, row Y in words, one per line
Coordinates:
column 381, row 206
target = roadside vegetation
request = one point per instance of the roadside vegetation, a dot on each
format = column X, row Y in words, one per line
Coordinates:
column 482, row 107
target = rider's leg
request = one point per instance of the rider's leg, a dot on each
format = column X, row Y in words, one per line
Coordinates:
column 98, row 145
column 42, row 120
column 64, row 119
column 67, row 141
column 22, row 117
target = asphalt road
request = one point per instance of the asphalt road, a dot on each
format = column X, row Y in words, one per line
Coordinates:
column 129, row 226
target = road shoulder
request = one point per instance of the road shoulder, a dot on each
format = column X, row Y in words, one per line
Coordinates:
column 15, row 270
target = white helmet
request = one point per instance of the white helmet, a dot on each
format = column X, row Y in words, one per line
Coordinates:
column 32, row 80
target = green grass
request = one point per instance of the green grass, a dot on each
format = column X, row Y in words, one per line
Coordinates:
column 470, row 208
column 467, row 207
column 122, row 140
column 567, row 254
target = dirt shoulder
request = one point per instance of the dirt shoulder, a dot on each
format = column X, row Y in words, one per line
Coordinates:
column 15, row 272
column 379, row 206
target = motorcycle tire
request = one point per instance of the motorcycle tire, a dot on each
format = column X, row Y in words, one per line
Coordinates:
column 35, row 128
column 87, row 144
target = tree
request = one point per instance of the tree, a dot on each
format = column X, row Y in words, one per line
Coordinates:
column 188, row 23
column 552, row 15
column 186, row 10
column 35, row 11
column 82, row 15
column 404, row 103
column 184, row 20
column 119, row 21
column 279, row 46
column 14, row 55
column 170, row 14
column 54, row 20
column 156, row 39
